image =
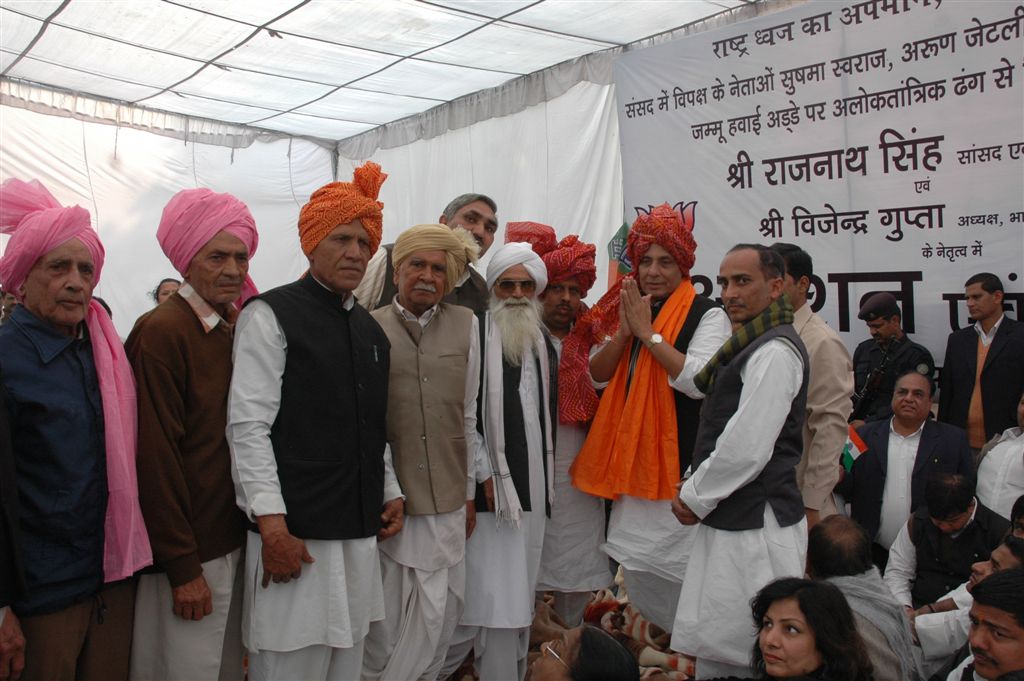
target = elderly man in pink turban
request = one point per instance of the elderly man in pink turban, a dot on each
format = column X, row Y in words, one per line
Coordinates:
column 71, row 512
column 188, row 609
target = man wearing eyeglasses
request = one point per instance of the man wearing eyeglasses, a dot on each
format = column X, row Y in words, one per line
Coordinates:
column 516, row 413
column 473, row 212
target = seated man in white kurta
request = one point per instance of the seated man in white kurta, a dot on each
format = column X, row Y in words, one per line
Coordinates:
column 306, row 430
column 572, row 565
column 516, row 414
column 434, row 379
column 743, row 491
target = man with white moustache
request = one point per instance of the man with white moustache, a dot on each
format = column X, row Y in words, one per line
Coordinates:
column 431, row 429
column 517, row 412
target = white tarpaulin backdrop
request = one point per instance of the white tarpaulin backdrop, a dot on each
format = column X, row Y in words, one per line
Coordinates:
column 555, row 162
column 884, row 137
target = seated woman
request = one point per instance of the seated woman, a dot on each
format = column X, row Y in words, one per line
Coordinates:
column 806, row 631
column 585, row 653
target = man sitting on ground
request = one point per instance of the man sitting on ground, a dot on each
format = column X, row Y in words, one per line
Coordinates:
column 935, row 549
column 839, row 552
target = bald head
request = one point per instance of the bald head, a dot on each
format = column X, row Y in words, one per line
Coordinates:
column 837, row 547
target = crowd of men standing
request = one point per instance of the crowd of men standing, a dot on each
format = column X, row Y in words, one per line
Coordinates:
column 376, row 470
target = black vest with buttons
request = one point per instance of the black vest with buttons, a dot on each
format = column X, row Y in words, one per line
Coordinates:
column 329, row 434
column 944, row 562
column 776, row 483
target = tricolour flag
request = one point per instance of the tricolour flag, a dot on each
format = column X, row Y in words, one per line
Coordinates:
column 853, row 449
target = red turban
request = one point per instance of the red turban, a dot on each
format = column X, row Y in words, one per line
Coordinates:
column 339, row 203
column 564, row 259
column 668, row 228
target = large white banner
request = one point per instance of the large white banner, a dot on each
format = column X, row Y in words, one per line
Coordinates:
column 884, row 137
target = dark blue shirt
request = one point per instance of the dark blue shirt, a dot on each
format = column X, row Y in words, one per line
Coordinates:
column 56, row 418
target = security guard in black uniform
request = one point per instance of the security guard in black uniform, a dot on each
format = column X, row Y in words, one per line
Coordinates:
column 879, row 360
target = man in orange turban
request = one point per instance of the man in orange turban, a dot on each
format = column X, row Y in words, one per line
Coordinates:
column 642, row 436
column 306, row 427
column 572, row 563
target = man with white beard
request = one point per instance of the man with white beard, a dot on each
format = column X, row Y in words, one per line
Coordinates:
column 517, row 410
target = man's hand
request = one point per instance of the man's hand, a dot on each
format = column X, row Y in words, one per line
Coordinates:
column 392, row 518
column 813, row 516
column 680, row 510
column 637, row 309
column 489, row 493
column 193, row 600
column 857, row 423
column 470, row 518
column 624, row 332
column 283, row 554
column 12, row 648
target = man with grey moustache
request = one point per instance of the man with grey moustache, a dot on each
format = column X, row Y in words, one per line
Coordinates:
column 431, row 429
column 473, row 212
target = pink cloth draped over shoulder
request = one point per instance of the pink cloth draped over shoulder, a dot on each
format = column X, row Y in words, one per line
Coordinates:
column 194, row 216
column 37, row 224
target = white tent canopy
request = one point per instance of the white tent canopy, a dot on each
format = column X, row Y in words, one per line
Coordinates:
column 510, row 98
column 317, row 68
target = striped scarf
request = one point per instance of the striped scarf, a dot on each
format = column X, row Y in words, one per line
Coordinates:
column 779, row 312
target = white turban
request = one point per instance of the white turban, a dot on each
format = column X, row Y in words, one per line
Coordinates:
column 510, row 255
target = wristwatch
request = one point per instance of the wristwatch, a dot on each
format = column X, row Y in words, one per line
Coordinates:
column 653, row 340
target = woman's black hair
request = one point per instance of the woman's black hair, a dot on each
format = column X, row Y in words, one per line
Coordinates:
column 155, row 293
column 602, row 658
column 830, row 620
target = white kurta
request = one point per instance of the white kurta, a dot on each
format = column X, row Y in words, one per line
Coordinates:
column 642, row 534
column 1001, row 473
column 335, row 599
column 727, row 568
column 572, row 559
column 902, row 453
column 436, row 541
column 425, row 578
column 503, row 562
column 901, row 570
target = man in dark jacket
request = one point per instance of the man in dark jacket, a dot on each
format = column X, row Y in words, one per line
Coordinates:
column 886, row 483
column 982, row 375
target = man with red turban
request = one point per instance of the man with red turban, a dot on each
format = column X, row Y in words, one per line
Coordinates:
column 306, row 428
column 188, row 610
column 69, row 402
column 658, row 334
column 572, row 563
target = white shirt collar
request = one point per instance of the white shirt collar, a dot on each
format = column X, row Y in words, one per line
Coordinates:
column 410, row 317
column 917, row 432
column 986, row 338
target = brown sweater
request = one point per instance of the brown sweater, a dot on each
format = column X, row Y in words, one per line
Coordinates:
column 184, row 466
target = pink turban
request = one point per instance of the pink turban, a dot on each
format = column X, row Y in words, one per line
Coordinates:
column 194, row 216
column 38, row 224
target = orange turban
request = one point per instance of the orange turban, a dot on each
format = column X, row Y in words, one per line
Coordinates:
column 567, row 258
column 339, row 203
